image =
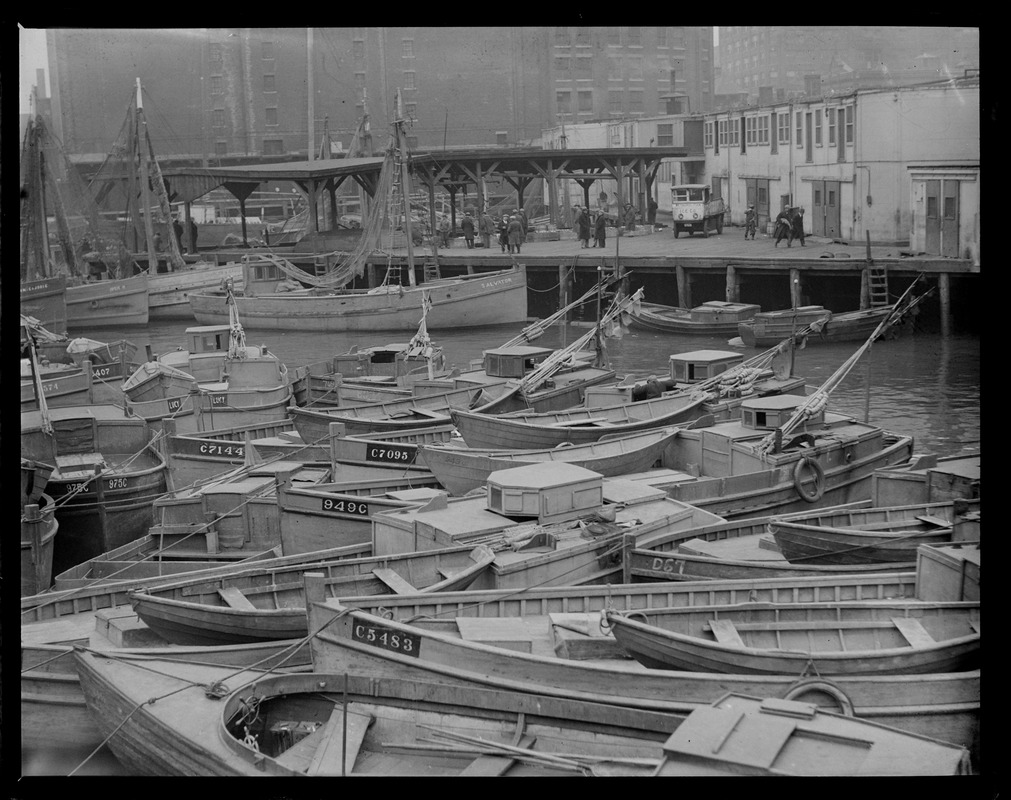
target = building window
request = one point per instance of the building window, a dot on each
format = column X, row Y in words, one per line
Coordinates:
column 614, row 67
column 585, row 101
column 269, row 84
column 267, row 50
column 358, row 49
column 722, row 132
column 409, row 80
column 661, row 37
column 582, row 35
column 635, row 101
column 217, row 84
column 501, row 137
column 614, row 35
column 412, row 142
column 817, row 127
column 270, row 115
column 407, row 48
column 220, row 148
column 562, row 36
column 707, row 135
column 584, row 66
column 561, row 63
column 830, row 113
column 273, row 147
column 665, row 134
column 218, row 118
column 800, row 128
column 750, row 128
column 214, row 51
column 763, row 129
column 735, row 131
column 614, row 100
column 411, row 110
column 635, row 68
column 359, row 79
column 849, row 124
column 635, row 37
column 563, row 102
column 783, row 133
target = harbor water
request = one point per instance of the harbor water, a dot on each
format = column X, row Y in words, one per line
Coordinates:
column 921, row 384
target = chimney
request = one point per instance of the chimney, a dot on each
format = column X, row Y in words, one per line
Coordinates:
column 812, row 85
column 764, row 95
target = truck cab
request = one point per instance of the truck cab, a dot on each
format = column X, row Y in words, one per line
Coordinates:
column 694, row 209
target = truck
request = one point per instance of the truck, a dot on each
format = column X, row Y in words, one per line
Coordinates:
column 693, row 209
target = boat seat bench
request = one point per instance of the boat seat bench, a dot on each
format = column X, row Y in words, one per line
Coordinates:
column 914, row 632
column 728, row 632
column 235, row 599
column 319, row 753
column 394, row 581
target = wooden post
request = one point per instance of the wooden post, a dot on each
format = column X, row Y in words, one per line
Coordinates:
column 563, row 289
column 733, row 289
column 105, row 544
column 944, row 290
column 627, row 546
column 684, row 287
column 315, row 588
column 865, row 288
column 89, row 378
column 31, row 531
column 795, row 288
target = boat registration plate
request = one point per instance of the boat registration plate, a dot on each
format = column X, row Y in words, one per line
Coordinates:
column 396, row 454
column 387, row 639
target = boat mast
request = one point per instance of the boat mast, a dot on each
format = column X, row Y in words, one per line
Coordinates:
column 152, row 258
column 405, row 185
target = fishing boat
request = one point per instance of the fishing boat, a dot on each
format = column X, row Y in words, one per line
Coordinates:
column 877, row 536
column 768, row 327
column 520, row 430
column 926, row 478
column 279, row 295
column 722, row 374
column 419, row 411
column 263, row 604
column 217, row 382
column 463, row 469
column 549, row 524
column 713, row 318
column 60, row 287
column 319, row 724
column 549, row 641
column 107, row 473
column 864, row 638
column 333, row 725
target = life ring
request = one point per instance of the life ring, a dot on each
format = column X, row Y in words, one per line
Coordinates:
column 819, row 479
column 810, row 685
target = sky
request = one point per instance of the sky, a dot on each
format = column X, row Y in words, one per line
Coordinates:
column 32, row 48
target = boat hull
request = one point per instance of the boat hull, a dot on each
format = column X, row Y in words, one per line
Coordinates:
column 46, row 301
column 854, row 326
column 108, row 304
column 498, row 298
column 703, row 321
column 38, row 532
column 169, row 293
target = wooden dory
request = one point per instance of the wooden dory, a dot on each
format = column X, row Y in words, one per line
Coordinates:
column 269, row 604
column 832, row 638
column 549, row 640
column 319, row 724
column 871, row 537
column 462, row 469
column 768, row 328
column 520, row 430
column 714, row 318
column 313, row 425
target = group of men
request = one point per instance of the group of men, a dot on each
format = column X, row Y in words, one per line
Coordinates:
column 789, row 225
column 177, row 230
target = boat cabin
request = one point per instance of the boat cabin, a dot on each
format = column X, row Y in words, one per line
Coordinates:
column 514, row 362
column 700, row 365
column 769, row 413
column 721, row 311
column 207, row 338
column 549, row 492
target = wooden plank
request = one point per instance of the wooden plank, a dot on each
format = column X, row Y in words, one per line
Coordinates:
column 725, row 632
column 235, row 599
column 932, row 520
column 298, row 757
column 448, row 573
column 327, row 759
column 804, row 625
column 974, row 624
column 493, row 766
column 394, row 581
column 914, row 632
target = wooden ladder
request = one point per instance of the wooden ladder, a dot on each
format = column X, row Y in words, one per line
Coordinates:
column 877, row 286
column 431, row 270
